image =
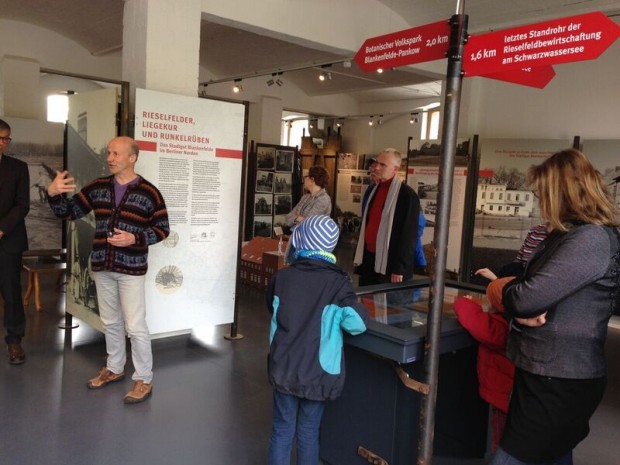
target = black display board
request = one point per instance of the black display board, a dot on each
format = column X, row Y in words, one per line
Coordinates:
column 274, row 185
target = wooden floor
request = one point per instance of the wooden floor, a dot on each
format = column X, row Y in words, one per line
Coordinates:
column 211, row 401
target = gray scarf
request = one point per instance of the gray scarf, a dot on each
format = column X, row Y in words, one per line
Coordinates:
column 385, row 228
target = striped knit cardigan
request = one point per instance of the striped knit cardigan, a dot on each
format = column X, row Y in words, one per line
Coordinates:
column 142, row 211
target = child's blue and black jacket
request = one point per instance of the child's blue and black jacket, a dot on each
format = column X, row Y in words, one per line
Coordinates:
column 312, row 302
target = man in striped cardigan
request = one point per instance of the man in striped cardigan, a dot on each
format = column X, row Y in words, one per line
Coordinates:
column 130, row 214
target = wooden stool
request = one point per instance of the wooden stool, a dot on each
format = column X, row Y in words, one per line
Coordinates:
column 42, row 261
column 34, row 270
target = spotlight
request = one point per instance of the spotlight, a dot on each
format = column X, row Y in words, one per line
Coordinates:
column 271, row 81
column 370, row 122
column 380, row 121
column 279, row 81
column 322, row 76
column 237, row 87
column 379, row 70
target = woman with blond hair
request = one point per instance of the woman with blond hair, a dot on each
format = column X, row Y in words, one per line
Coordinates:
column 560, row 309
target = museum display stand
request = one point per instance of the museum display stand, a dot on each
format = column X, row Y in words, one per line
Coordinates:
column 377, row 418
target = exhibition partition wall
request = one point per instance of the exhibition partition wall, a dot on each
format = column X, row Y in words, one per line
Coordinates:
column 192, row 150
column 505, row 209
column 40, row 145
column 423, row 176
column 92, row 122
column 274, row 186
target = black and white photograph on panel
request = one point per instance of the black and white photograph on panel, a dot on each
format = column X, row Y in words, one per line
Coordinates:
column 262, row 226
column 283, row 183
column 265, row 158
column 283, row 204
column 264, row 181
column 284, row 160
column 263, row 204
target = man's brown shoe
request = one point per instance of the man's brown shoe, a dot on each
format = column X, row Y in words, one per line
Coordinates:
column 17, row 356
column 104, row 377
column 140, row 392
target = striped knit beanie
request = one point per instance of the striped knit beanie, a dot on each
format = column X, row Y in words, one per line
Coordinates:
column 317, row 232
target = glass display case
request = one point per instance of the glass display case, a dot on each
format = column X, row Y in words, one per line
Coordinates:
column 378, row 410
column 398, row 314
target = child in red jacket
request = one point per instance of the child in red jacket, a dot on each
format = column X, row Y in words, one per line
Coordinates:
column 495, row 371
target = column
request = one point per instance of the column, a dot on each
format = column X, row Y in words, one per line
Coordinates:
column 20, row 87
column 161, row 43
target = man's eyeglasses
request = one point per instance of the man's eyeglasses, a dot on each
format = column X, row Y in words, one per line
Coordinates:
column 6, row 140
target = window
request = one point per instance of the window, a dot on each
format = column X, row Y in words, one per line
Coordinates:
column 499, row 209
column 517, row 197
column 429, row 127
column 490, row 208
column 491, row 196
column 501, row 196
column 57, row 108
column 433, row 130
column 484, row 194
column 292, row 131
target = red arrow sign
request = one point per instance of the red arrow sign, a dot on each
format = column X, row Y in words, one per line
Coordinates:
column 532, row 77
column 563, row 40
column 415, row 45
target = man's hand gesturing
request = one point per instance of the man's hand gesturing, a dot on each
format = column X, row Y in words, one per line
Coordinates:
column 61, row 184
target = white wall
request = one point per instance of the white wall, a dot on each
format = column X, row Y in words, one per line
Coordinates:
column 55, row 51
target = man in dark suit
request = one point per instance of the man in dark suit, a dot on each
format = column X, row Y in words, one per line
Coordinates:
column 14, row 206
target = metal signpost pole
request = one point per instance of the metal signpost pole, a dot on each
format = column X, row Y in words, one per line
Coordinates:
column 458, row 35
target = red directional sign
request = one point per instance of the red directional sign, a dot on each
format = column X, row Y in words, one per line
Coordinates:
column 563, row 40
column 537, row 77
column 415, row 45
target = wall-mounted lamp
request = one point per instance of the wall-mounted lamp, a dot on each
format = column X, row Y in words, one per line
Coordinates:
column 414, row 118
column 380, row 121
column 237, row 87
column 370, row 122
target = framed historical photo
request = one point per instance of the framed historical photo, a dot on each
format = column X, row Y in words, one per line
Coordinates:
column 263, row 225
column 284, row 160
column 283, row 204
column 265, row 157
column 264, row 181
column 263, row 204
column 283, row 183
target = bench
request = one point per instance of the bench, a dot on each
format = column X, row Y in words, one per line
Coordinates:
column 36, row 262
